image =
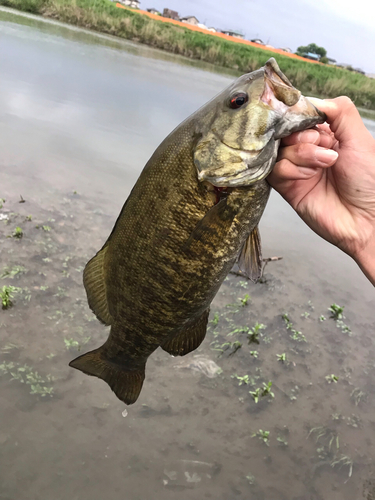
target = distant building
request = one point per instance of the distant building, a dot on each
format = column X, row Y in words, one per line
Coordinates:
column 172, row 14
column 233, row 33
column 311, row 55
column 190, row 20
column 286, row 49
column 370, row 75
column 154, row 11
column 134, row 4
column 257, row 40
column 331, row 61
column 214, row 30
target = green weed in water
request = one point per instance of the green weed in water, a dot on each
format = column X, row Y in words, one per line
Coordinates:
column 358, row 396
column 261, row 392
column 245, row 380
column 6, row 295
column 251, row 479
column 295, row 334
column 263, row 436
column 17, row 233
column 11, row 272
column 245, row 300
column 25, row 374
column 281, row 357
column 332, row 378
column 282, row 440
column 215, row 319
column 2, row 201
column 336, row 311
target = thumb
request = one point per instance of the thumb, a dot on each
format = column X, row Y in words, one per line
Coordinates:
column 345, row 121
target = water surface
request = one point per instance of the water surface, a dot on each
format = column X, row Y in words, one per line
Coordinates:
column 80, row 114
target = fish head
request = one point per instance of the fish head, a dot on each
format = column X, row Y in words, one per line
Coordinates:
column 239, row 131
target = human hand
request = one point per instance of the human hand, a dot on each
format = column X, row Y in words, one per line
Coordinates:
column 328, row 177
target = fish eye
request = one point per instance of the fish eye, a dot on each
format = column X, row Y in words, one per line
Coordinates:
column 238, row 100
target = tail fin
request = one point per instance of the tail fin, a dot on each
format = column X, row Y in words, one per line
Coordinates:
column 124, row 382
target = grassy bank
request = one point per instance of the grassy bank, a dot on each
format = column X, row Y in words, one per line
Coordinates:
column 104, row 16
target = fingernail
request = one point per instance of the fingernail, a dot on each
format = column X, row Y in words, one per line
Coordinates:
column 326, row 155
column 310, row 136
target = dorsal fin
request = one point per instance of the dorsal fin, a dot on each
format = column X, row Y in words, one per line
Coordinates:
column 189, row 338
column 250, row 258
column 94, row 282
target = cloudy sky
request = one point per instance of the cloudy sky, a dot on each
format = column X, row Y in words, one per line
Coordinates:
column 346, row 28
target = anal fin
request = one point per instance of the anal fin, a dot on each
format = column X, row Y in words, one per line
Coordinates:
column 94, row 282
column 189, row 338
column 250, row 258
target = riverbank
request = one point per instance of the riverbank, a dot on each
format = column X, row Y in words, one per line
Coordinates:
column 105, row 17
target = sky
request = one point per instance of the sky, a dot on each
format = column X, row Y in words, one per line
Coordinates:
column 345, row 28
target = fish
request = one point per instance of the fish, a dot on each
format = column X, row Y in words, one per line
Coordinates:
column 192, row 214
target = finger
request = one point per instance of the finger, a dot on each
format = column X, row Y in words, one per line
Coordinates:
column 285, row 173
column 312, row 136
column 308, row 155
column 344, row 120
column 327, row 140
column 323, row 138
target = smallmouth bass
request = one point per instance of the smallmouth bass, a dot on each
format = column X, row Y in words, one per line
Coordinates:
column 193, row 212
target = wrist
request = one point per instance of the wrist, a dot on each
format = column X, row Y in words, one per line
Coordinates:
column 366, row 260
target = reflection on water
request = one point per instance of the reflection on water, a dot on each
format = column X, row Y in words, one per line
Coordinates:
column 79, row 117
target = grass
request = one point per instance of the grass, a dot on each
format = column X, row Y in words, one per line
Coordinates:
column 25, row 374
column 263, row 436
column 6, row 296
column 104, row 16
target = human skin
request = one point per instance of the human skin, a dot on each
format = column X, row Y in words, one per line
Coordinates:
column 328, row 176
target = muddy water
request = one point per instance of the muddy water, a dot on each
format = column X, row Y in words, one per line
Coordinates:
column 79, row 116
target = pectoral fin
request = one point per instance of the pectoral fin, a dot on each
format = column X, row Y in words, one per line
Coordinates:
column 250, row 258
column 189, row 338
column 214, row 225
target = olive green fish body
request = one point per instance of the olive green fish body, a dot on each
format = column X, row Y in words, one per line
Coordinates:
column 196, row 204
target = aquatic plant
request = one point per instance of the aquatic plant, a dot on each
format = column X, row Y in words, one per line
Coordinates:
column 6, row 295
column 332, row 378
column 281, row 357
column 261, row 392
column 2, row 201
column 11, row 272
column 295, row 334
column 245, row 300
column 282, row 440
column 215, row 319
column 263, row 436
column 25, row 374
column 357, row 396
column 17, row 233
column 336, row 311
column 241, row 380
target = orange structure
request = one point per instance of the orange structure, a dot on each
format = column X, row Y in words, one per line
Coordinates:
column 220, row 35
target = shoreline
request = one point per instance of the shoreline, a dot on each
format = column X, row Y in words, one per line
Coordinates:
column 105, row 18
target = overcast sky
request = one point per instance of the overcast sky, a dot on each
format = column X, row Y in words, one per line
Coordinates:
column 346, row 28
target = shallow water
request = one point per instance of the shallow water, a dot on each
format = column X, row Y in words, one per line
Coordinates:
column 80, row 114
